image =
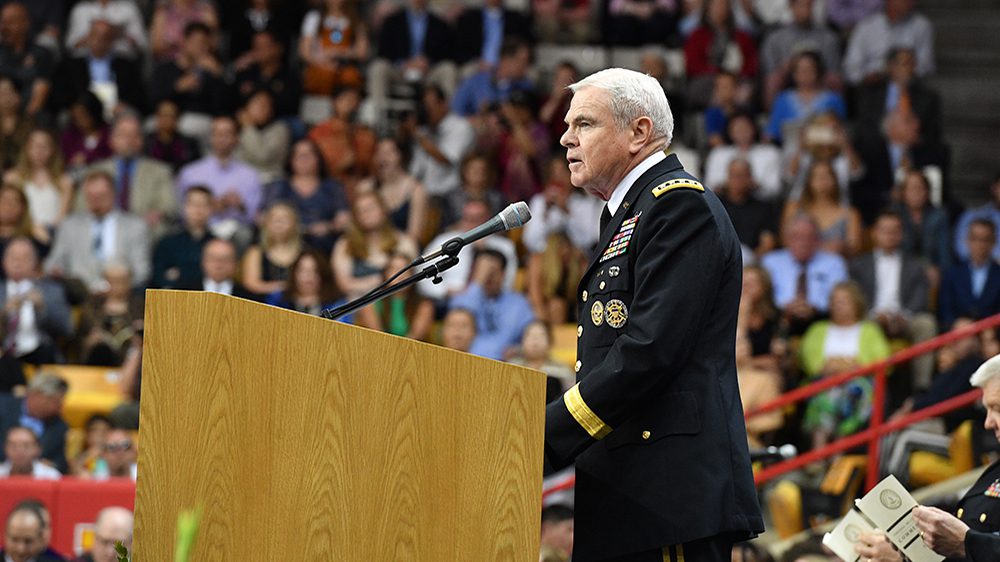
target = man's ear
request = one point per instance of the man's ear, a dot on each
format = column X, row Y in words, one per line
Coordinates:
column 641, row 134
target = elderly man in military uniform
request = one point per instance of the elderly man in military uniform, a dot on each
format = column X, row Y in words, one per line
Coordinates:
column 654, row 423
column 972, row 533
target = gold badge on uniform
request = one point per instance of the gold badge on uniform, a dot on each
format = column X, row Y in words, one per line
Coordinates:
column 613, row 271
column 615, row 313
column 597, row 313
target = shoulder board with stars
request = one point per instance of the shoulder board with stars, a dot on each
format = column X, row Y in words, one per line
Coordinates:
column 677, row 184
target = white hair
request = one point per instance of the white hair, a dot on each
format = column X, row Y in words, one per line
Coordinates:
column 986, row 372
column 633, row 95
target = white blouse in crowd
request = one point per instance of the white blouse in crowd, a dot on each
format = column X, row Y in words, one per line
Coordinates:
column 44, row 202
column 842, row 341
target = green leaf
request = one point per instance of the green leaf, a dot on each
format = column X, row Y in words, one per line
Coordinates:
column 187, row 533
column 121, row 551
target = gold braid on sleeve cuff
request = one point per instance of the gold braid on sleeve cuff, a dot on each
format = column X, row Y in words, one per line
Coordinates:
column 584, row 415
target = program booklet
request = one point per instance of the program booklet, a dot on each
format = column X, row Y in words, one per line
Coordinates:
column 887, row 508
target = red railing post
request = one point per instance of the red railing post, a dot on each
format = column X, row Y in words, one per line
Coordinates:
column 878, row 416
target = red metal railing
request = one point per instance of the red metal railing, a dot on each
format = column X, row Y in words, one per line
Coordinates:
column 877, row 425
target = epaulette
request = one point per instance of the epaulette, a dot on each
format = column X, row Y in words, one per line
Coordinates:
column 677, row 184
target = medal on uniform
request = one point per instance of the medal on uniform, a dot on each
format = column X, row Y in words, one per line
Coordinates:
column 619, row 243
column 597, row 313
column 616, row 313
column 993, row 491
column 613, row 271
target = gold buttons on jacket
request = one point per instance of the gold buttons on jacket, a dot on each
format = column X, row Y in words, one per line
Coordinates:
column 578, row 366
column 961, row 511
column 982, row 518
column 603, row 284
column 585, row 296
column 579, row 330
column 646, row 434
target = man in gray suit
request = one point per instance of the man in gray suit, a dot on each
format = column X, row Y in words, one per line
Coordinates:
column 88, row 240
column 34, row 313
column 142, row 185
column 896, row 285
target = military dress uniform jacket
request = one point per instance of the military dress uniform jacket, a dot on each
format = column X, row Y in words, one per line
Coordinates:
column 655, row 422
column 979, row 508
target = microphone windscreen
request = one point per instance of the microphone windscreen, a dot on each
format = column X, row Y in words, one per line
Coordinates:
column 515, row 215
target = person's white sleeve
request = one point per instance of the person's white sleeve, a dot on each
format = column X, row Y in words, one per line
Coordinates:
column 79, row 24
column 310, row 25
column 134, row 27
column 458, row 139
column 535, row 232
column 925, row 47
column 715, row 167
column 585, row 228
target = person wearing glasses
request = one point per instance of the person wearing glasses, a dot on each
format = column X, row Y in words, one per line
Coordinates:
column 118, row 456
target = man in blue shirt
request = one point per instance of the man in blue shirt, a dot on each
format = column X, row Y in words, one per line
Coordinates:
column 989, row 211
column 501, row 314
column 490, row 87
column 972, row 288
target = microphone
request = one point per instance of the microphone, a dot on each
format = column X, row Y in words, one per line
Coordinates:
column 772, row 453
column 514, row 216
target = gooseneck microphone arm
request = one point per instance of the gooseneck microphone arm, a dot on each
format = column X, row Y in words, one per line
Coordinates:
column 430, row 272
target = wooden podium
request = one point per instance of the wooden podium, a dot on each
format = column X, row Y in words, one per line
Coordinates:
column 306, row 439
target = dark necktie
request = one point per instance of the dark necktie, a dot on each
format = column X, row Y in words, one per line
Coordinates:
column 125, row 186
column 802, row 283
column 605, row 219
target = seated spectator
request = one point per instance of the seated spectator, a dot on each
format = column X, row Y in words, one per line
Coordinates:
column 758, row 386
column 97, row 426
column 839, row 224
column 723, row 106
column 177, row 256
column 40, row 411
column 171, row 18
column 15, row 221
column 266, row 265
column 48, row 17
column 807, row 97
column 218, row 266
column 116, row 78
column 194, row 80
column 845, row 14
column 263, row 67
column 901, row 87
column 246, row 19
column 333, row 47
column 803, row 33
column 404, row 197
column 522, row 147
column 560, row 239
column 822, row 139
column 319, row 200
column 235, row 185
column 552, row 112
column 717, row 46
column 109, row 321
column 87, row 139
column 456, row 279
column 29, row 64
column 896, row 284
column 925, row 227
column 633, row 23
column 989, row 211
column 536, row 353
column 113, row 525
column 362, row 254
column 872, row 40
column 90, row 239
column 458, row 330
column 25, row 536
column 439, row 144
column 119, row 455
column 754, row 220
column 143, row 186
column 488, row 88
column 348, row 148
column 414, row 46
column 15, row 124
column 802, row 273
column 479, row 33
column 311, row 288
column 478, row 175
column 404, row 314
column 23, row 452
column 35, row 314
column 971, row 288
column 562, row 21
column 844, row 342
column 263, row 140
column 557, row 533
column 46, row 185
column 501, row 314
column 743, row 143
column 124, row 17
column 165, row 143
column 758, row 317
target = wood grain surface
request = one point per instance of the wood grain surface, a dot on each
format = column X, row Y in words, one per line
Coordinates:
column 305, row 439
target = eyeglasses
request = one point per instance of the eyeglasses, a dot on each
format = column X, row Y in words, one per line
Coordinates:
column 119, row 446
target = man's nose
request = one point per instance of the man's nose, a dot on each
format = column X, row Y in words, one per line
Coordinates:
column 567, row 139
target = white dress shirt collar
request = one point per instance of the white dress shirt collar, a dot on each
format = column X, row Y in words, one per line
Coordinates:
column 621, row 190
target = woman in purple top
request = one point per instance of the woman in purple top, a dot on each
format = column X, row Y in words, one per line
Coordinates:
column 86, row 139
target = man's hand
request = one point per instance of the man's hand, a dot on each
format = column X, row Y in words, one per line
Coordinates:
column 875, row 547
column 942, row 532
